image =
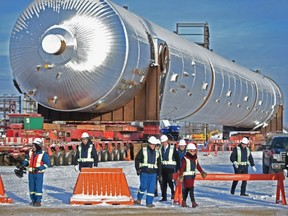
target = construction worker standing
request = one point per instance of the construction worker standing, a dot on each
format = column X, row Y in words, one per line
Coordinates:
column 147, row 165
column 285, row 170
column 37, row 161
column 181, row 149
column 187, row 173
column 86, row 155
column 170, row 165
column 241, row 158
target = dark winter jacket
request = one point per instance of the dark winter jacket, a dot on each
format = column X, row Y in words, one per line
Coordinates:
column 153, row 159
column 86, row 159
column 173, row 162
column 246, row 156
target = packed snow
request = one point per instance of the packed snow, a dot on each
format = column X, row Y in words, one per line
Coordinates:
column 59, row 184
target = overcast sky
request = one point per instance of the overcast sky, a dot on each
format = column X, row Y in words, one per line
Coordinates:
column 254, row 33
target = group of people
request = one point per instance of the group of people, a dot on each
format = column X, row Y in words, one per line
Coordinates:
column 162, row 159
column 156, row 162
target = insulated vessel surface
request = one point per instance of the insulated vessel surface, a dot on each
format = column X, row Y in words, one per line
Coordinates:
column 94, row 56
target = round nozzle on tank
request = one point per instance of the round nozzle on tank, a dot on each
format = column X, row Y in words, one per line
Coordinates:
column 53, row 44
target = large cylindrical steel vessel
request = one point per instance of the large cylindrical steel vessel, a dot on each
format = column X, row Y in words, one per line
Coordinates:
column 94, row 56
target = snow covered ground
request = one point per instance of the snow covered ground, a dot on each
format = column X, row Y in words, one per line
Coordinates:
column 213, row 197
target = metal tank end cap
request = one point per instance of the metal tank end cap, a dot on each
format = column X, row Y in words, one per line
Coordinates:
column 53, row 44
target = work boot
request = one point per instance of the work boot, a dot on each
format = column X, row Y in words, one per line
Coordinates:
column 232, row 191
column 194, row 204
column 163, row 200
column 32, row 203
column 150, row 205
column 184, row 204
column 156, row 193
column 244, row 194
column 137, row 202
column 37, row 204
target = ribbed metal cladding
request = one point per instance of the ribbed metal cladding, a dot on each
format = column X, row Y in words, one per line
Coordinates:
column 92, row 55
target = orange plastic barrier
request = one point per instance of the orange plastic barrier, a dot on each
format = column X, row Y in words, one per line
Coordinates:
column 279, row 177
column 101, row 185
column 3, row 197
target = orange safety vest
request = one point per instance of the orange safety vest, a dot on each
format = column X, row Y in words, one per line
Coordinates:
column 35, row 162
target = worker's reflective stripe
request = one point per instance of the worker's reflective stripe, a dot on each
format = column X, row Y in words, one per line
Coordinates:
column 141, row 192
column 170, row 157
column 38, row 162
column 150, row 194
column 145, row 161
column 88, row 159
column 239, row 156
column 169, row 162
column 188, row 171
column 37, row 194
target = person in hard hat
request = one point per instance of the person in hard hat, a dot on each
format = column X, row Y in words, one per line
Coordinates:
column 86, row 154
column 37, row 161
column 187, row 173
column 148, row 165
column 159, row 177
column 241, row 158
column 170, row 165
column 181, row 149
column 285, row 170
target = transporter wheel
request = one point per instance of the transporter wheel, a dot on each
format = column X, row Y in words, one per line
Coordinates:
column 59, row 159
column 104, row 156
column 1, row 159
column 110, row 156
column 68, row 160
column 52, row 160
column 6, row 160
column 99, row 156
column 122, row 155
column 116, row 155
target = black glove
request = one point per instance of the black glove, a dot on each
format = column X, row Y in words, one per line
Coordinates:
column 19, row 173
column 20, row 170
column 36, row 170
column 138, row 172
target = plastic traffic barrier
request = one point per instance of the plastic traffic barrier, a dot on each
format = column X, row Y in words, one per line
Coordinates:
column 101, row 185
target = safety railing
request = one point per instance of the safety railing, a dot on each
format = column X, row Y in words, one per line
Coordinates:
column 279, row 177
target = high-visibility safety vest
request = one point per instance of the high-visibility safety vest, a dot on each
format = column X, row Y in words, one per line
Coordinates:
column 145, row 161
column 190, row 167
column 88, row 158
column 35, row 161
column 239, row 155
column 170, row 160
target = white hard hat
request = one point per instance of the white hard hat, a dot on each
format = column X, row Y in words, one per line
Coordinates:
column 182, row 142
column 191, row 146
column 85, row 135
column 164, row 138
column 244, row 140
column 153, row 140
column 38, row 141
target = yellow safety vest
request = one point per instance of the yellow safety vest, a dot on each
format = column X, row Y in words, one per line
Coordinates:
column 145, row 161
column 88, row 159
column 188, row 171
column 243, row 163
column 170, row 157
